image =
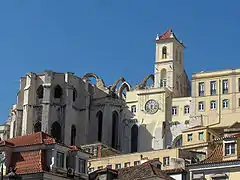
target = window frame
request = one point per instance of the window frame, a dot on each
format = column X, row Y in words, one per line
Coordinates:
column 202, row 106
column 225, row 86
column 186, row 109
column 60, row 155
column 211, row 105
column 136, row 163
column 201, row 134
column 231, row 147
column 189, row 135
column 225, row 104
column 118, row 164
column 213, row 88
column 133, row 108
column 174, row 110
column 166, row 161
column 127, row 163
column 201, row 89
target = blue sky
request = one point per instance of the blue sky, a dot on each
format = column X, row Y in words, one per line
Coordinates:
column 111, row 37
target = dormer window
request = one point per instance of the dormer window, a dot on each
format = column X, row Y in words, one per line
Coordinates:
column 229, row 148
column 164, row 52
column 60, row 159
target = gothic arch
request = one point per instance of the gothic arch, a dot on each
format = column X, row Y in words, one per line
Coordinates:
column 56, row 131
column 164, row 52
column 115, row 125
column 123, row 86
column 73, row 135
column 74, row 95
column 121, row 79
column 163, row 74
column 134, row 138
column 177, row 142
column 99, row 117
column 40, row 92
column 144, row 82
column 89, row 75
column 38, row 127
column 57, row 91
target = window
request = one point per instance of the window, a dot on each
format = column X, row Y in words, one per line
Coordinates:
column 134, row 138
column 40, row 92
column 201, row 106
column 109, row 166
column 127, row 164
column 213, row 87
column 225, row 86
column 56, row 131
column 37, row 127
column 74, row 95
column 118, row 166
column 73, row 135
column 100, row 167
column 201, row 89
column 136, row 163
column 200, row 136
column 91, row 170
column 225, row 103
column 57, row 92
column 186, row 109
column 164, row 52
column 238, row 102
column 229, row 148
column 174, row 110
column 115, row 121
column 166, row 161
column 82, row 166
column 133, row 108
column 189, row 136
column 99, row 117
column 60, row 159
column 213, row 105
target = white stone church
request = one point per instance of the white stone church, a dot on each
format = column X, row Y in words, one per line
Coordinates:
column 76, row 112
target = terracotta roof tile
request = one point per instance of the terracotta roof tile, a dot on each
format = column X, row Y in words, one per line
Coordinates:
column 28, row 162
column 29, row 139
column 215, row 156
column 166, row 35
column 142, row 171
column 173, row 171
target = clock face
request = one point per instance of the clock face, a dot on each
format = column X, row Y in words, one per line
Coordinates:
column 151, row 106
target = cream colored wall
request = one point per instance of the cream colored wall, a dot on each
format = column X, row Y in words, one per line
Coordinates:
column 195, row 136
column 113, row 160
column 151, row 124
column 211, row 117
column 180, row 103
column 231, row 175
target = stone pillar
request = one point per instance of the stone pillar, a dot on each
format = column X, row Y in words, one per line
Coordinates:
column 107, row 126
column 46, row 109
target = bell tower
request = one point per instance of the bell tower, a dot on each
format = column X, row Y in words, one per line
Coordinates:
column 169, row 68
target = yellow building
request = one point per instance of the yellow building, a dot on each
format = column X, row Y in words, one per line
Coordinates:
column 170, row 159
column 222, row 163
column 216, row 97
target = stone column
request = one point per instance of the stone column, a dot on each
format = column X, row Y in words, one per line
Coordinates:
column 46, row 109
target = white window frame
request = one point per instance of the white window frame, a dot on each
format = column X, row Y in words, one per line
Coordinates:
column 166, row 161
column 213, row 105
column 225, row 104
column 174, row 110
column 133, row 108
column 225, row 86
column 201, row 104
column 186, row 109
column 231, row 144
column 199, row 136
column 201, row 88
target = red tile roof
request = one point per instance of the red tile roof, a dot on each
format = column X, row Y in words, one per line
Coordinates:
column 166, row 35
column 174, row 171
column 29, row 139
column 215, row 156
column 28, row 162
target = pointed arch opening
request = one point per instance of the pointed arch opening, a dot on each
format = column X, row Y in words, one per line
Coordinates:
column 115, row 124
column 100, row 122
column 124, row 87
column 134, row 138
column 40, row 92
column 145, row 81
column 73, row 135
column 56, row 131
column 163, row 80
column 164, row 52
column 37, row 127
column 74, row 97
column 57, row 91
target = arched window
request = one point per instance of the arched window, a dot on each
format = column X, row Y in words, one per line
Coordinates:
column 163, row 82
column 74, row 95
column 40, row 92
column 134, row 138
column 57, row 92
column 100, row 119
column 73, row 135
column 56, row 131
column 164, row 52
column 115, row 130
column 37, row 127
